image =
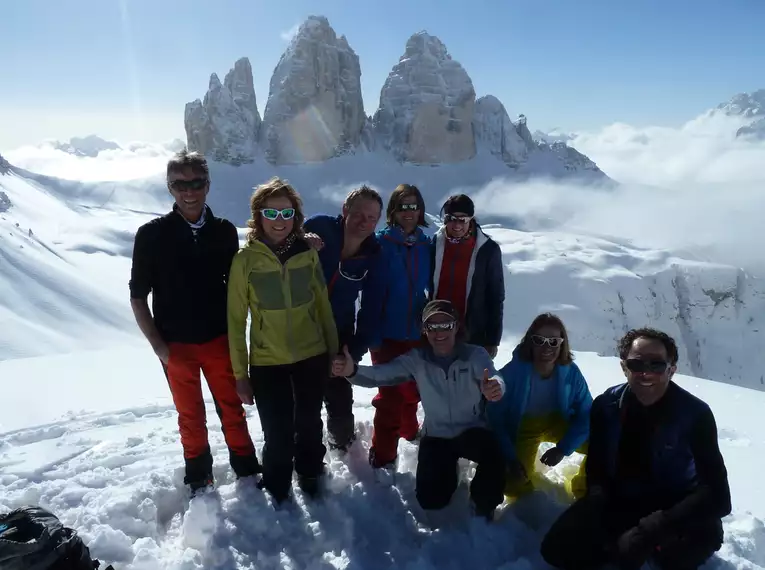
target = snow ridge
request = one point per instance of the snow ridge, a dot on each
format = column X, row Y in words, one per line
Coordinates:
column 427, row 114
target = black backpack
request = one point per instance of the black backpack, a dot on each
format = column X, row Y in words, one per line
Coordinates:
column 32, row 538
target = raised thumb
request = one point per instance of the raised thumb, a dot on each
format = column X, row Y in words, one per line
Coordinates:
column 345, row 351
column 485, row 375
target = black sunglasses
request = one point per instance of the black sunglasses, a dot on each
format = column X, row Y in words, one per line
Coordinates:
column 460, row 219
column 194, row 184
column 646, row 366
column 407, row 207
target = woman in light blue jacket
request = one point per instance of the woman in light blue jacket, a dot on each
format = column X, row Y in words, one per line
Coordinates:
column 546, row 399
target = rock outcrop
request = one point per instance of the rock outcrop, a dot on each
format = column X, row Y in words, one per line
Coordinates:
column 756, row 130
column 497, row 134
column 226, row 124
column 5, row 202
column 315, row 109
column 4, row 165
column 426, row 106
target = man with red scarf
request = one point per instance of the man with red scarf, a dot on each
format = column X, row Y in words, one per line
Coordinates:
column 467, row 270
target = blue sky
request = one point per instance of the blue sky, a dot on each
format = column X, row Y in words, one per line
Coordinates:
column 125, row 68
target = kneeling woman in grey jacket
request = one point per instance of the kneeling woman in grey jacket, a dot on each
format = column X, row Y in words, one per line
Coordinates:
column 454, row 380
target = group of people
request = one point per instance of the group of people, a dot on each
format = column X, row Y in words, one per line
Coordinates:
column 318, row 293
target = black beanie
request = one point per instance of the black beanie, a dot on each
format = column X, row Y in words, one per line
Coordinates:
column 459, row 203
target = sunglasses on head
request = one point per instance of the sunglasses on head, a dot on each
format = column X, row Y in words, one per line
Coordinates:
column 408, row 207
column 194, row 184
column 433, row 327
column 273, row 214
column 551, row 341
column 459, row 219
column 646, row 366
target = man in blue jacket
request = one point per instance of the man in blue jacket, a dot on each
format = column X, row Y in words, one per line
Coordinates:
column 349, row 255
column 657, row 486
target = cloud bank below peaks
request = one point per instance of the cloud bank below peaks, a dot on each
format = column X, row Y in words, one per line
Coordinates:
column 696, row 190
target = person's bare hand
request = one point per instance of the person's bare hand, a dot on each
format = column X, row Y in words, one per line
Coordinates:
column 314, row 241
column 490, row 387
column 163, row 352
column 244, row 391
column 342, row 364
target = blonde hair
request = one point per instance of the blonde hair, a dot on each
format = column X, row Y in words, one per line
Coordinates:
column 274, row 188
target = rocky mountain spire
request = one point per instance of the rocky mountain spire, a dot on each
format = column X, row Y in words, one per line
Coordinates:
column 315, row 109
column 426, row 106
column 226, row 124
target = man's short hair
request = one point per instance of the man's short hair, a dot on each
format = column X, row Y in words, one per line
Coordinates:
column 625, row 344
column 363, row 192
column 188, row 159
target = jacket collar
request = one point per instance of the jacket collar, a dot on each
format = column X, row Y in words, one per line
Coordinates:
column 480, row 236
column 396, row 234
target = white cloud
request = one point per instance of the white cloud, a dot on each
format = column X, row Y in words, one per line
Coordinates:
column 287, row 35
column 694, row 189
column 134, row 160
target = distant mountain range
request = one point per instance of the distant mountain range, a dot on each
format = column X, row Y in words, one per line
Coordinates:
column 428, row 113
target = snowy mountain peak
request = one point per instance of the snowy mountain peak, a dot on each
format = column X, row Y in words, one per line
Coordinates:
column 226, row 124
column 422, row 43
column 315, row 109
column 428, row 113
column 749, row 105
column 426, row 106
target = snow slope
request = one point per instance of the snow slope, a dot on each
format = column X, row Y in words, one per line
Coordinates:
column 82, row 241
column 87, row 426
column 102, row 452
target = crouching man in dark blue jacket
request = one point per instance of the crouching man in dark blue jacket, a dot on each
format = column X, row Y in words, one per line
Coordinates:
column 349, row 253
column 657, row 486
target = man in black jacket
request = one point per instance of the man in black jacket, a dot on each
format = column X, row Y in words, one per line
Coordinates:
column 183, row 259
column 467, row 270
column 657, row 483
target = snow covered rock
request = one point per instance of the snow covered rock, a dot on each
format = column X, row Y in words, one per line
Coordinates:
column 755, row 130
column 226, row 124
column 5, row 202
column 90, row 145
column 601, row 289
column 514, row 144
column 495, row 132
column 4, row 165
column 315, row 109
column 426, row 106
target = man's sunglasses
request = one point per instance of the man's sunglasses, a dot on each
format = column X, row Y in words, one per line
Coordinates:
column 646, row 366
column 433, row 327
column 194, row 184
column 348, row 276
column 408, row 207
column 551, row 341
column 273, row 214
column 459, row 219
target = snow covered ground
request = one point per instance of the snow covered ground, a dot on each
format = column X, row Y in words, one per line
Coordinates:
column 93, row 436
column 87, row 426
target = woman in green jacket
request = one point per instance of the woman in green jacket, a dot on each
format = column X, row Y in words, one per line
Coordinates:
column 278, row 280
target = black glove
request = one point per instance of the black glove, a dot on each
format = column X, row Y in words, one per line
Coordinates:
column 633, row 548
column 637, row 544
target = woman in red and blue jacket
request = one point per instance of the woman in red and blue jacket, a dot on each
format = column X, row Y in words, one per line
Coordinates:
column 407, row 263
